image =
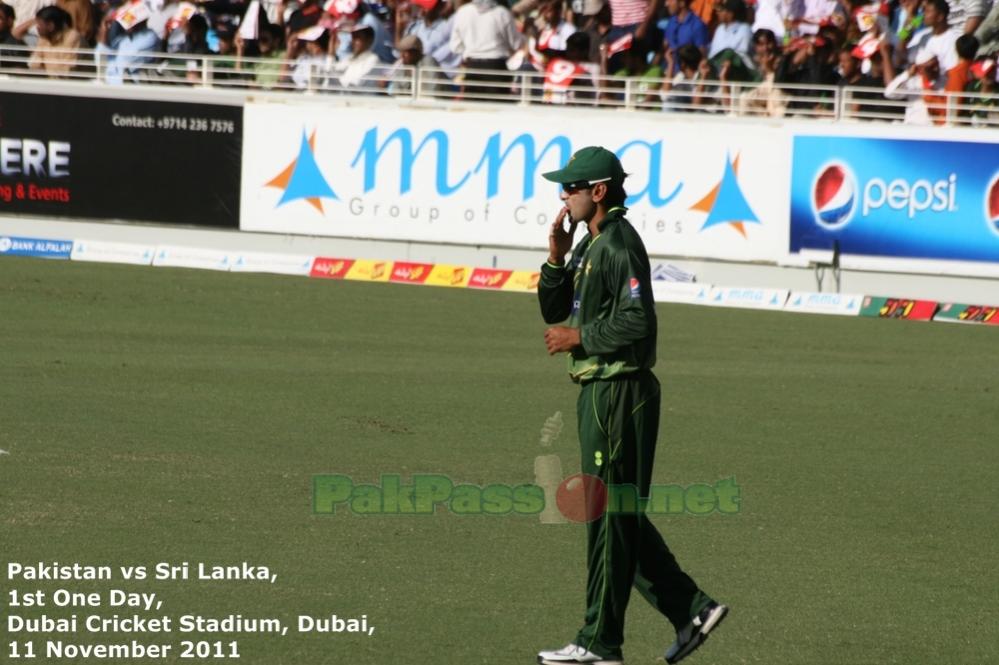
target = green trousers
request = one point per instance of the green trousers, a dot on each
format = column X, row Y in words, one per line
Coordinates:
column 618, row 427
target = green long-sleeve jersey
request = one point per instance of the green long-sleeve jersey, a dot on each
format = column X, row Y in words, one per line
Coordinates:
column 605, row 290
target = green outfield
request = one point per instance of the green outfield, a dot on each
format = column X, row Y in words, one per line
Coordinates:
column 161, row 415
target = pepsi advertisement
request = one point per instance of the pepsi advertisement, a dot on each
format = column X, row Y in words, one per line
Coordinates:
column 896, row 198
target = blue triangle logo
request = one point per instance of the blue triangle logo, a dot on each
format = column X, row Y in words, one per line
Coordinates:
column 730, row 205
column 302, row 179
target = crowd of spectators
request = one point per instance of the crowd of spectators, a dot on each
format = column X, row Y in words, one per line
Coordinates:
column 899, row 59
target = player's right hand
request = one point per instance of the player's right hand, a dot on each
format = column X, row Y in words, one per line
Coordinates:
column 560, row 239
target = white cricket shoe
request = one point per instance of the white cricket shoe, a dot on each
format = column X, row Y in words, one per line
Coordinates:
column 694, row 633
column 574, row 653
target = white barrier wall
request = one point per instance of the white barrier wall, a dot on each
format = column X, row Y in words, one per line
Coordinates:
column 474, row 177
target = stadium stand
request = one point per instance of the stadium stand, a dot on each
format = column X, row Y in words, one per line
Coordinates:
column 901, row 61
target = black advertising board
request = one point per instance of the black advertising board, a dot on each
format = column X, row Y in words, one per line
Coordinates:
column 129, row 159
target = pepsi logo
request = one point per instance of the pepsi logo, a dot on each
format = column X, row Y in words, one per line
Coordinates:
column 992, row 204
column 834, row 195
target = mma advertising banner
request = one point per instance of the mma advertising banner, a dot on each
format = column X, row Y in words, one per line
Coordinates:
column 897, row 198
column 136, row 160
column 474, row 177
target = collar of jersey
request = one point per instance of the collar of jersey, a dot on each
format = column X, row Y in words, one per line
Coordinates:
column 612, row 215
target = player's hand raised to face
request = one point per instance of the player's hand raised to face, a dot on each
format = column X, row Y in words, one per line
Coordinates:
column 560, row 239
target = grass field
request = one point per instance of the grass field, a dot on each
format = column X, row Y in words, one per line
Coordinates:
column 169, row 415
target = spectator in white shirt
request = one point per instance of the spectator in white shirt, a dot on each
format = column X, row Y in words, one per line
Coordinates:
column 816, row 13
column 309, row 58
column 485, row 35
column 920, row 81
column 362, row 69
column 936, row 36
column 731, row 34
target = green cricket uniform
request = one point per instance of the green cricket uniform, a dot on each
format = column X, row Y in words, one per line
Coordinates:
column 605, row 290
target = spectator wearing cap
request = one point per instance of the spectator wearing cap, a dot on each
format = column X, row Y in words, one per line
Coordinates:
column 680, row 28
column 485, row 35
column 917, row 85
column 733, row 38
column 433, row 30
column 350, row 15
column 413, row 62
column 11, row 57
column 57, row 41
column 935, row 37
column 361, row 70
column 305, row 16
column 310, row 59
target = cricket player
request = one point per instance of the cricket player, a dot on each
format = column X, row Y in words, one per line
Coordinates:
column 605, row 292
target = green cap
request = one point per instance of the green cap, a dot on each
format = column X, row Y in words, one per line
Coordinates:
column 591, row 164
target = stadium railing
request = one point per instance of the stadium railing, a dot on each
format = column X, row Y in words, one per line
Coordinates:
column 322, row 77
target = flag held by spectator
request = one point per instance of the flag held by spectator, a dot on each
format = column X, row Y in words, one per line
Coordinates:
column 185, row 11
column 871, row 15
column 981, row 69
column 621, row 44
column 866, row 47
column 311, row 34
column 249, row 25
column 342, row 8
column 132, row 15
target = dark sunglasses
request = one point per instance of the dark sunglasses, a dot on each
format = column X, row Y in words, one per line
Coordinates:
column 573, row 187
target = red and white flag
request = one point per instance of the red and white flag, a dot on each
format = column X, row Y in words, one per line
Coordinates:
column 620, row 44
